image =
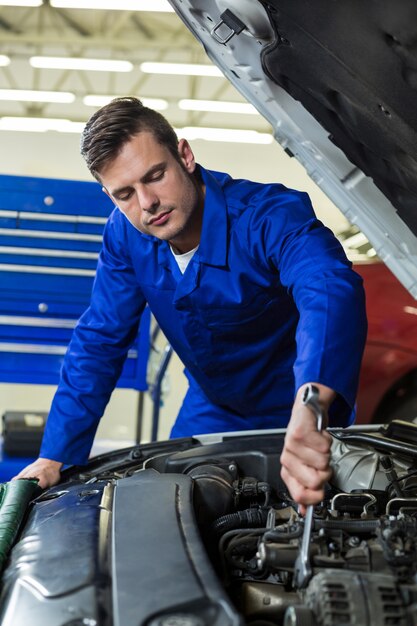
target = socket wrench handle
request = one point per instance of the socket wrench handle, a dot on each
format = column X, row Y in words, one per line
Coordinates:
column 302, row 568
column 311, row 398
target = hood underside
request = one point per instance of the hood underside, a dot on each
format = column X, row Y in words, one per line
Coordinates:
column 338, row 83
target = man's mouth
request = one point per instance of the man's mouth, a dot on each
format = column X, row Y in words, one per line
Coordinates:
column 160, row 219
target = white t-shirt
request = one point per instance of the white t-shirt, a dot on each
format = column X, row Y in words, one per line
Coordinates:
column 184, row 259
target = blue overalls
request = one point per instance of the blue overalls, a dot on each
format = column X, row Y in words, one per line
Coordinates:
column 268, row 302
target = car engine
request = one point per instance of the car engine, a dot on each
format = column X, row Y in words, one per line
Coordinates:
column 363, row 549
column 202, row 532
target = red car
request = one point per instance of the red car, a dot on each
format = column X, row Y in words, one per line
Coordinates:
column 388, row 383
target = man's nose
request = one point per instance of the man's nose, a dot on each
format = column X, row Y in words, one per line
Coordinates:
column 148, row 200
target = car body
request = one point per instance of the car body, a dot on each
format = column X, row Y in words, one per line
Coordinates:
column 388, row 380
column 201, row 531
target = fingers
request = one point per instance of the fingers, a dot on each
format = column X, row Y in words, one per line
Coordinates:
column 46, row 471
column 314, row 452
column 305, row 469
column 305, row 459
column 310, row 470
column 303, row 494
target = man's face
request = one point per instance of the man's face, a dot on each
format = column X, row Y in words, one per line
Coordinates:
column 156, row 192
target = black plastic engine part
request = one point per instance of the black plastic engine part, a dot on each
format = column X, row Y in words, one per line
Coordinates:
column 213, row 492
column 401, row 431
column 249, row 518
column 153, row 520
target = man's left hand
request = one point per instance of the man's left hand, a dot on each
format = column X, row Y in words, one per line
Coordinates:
column 305, row 459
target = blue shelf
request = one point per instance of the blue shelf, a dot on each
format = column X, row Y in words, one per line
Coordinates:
column 50, row 237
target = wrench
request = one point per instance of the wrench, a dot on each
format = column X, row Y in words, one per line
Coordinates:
column 302, row 567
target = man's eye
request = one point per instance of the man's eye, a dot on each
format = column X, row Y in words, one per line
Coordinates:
column 124, row 196
column 157, row 176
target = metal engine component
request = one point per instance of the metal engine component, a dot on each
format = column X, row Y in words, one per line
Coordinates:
column 262, row 600
column 359, row 599
column 356, row 468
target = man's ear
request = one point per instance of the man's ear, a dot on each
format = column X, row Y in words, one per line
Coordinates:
column 186, row 155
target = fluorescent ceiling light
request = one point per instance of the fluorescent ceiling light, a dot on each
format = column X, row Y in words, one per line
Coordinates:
column 25, row 95
column 40, row 124
column 183, row 69
column 4, row 60
column 225, row 135
column 68, row 63
column 99, row 101
column 21, row 3
column 160, row 6
column 217, row 106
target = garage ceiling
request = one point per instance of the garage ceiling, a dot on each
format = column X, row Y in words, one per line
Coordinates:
column 134, row 36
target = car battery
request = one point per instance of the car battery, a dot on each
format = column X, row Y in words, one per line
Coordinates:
column 22, row 433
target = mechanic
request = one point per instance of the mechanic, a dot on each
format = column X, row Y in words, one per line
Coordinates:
column 255, row 295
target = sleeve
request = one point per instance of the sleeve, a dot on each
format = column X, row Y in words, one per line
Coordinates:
column 328, row 294
column 96, row 353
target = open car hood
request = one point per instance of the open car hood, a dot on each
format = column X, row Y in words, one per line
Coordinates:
column 338, row 83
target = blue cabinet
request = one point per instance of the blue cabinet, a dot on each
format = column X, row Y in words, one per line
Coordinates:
column 50, row 237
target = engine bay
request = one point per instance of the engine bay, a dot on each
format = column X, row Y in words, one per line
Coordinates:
column 362, row 554
column 202, row 533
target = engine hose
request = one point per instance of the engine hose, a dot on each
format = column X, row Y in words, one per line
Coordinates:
column 15, row 497
column 249, row 518
column 359, row 526
column 381, row 444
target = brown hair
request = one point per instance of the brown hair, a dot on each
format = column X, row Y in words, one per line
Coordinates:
column 112, row 126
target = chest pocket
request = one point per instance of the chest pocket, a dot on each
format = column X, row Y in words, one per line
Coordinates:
column 254, row 318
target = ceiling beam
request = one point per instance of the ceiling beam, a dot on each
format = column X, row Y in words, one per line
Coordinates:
column 8, row 27
column 73, row 24
column 260, row 124
column 104, row 41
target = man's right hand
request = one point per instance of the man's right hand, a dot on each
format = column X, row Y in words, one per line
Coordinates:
column 45, row 470
column 305, row 459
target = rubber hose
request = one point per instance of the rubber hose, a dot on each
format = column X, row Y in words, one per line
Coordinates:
column 249, row 518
